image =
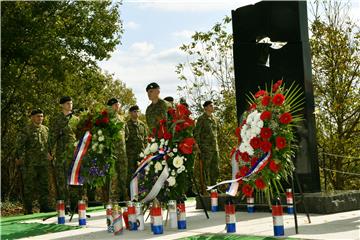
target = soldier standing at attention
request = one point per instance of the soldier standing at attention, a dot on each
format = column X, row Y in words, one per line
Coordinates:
column 157, row 110
column 205, row 133
column 61, row 146
column 136, row 134
column 32, row 157
column 121, row 164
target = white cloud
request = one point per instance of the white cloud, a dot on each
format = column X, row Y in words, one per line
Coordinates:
column 183, row 34
column 191, row 5
column 141, row 48
column 131, row 25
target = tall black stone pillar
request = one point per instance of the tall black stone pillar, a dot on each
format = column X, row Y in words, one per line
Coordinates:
column 281, row 21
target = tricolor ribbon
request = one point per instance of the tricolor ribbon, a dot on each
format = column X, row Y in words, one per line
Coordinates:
column 80, row 151
column 233, row 189
column 158, row 184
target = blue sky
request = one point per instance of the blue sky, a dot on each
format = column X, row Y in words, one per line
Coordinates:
column 154, row 31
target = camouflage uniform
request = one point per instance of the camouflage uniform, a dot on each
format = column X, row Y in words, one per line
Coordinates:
column 61, row 142
column 136, row 134
column 32, row 148
column 205, row 133
column 156, row 112
column 121, row 165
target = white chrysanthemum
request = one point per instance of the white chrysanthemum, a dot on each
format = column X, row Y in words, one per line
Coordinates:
column 162, row 141
column 94, row 146
column 158, row 167
column 178, row 162
column 153, row 140
column 173, row 172
column 147, row 150
column 141, row 155
column 76, row 143
column 154, row 147
column 166, row 142
column 171, row 154
column 171, row 181
column 99, row 132
column 163, row 162
column 94, row 137
column 101, row 138
column 147, row 168
column 175, row 150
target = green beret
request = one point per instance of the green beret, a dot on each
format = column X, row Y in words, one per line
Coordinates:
column 153, row 85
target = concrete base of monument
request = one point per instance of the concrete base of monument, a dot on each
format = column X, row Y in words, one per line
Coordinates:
column 320, row 203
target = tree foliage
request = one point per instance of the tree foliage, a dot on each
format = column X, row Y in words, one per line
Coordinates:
column 335, row 45
column 48, row 50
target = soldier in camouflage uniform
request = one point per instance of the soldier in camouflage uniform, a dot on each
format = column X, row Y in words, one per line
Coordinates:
column 32, row 156
column 120, row 192
column 136, row 135
column 205, row 133
column 157, row 110
column 61, row 144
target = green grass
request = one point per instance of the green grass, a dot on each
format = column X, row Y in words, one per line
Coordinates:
column 229, row 237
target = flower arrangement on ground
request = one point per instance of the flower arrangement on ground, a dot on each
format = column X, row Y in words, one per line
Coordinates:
column 103, row 128
column 266, row 147
column 168, row 159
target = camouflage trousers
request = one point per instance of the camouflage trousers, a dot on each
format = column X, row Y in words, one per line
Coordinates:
column 210, row 161
column 35, row 182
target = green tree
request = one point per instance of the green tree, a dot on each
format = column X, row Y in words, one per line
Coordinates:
column 335, row 45
column 50, row 49
column 208, row 74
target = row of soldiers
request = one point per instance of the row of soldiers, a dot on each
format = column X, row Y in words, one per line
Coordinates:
column 38, row 145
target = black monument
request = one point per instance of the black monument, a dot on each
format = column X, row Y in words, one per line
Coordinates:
column 257, row 63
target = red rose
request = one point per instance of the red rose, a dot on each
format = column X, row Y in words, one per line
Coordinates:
column 253, row 161
column 285, row 118
column 266, row 146
column 247, row 190
column 104, row 112
column 276, row 85
column 260, row 93
column 244, row 170
column 255, row 142
column 278, row 99
column 266, row 100
column 274, row 167
column 265, row 115
column 182, row 110
column 186, row 146
column 178, row 127
column 260, row 184
column 162, row 121
column 252, row 107
column 265, row 133
column 188, row 122
column 105, row 120
column 167, row 136
column 98, row 122
column 245, row 157
column 280, row 142
column 172, row 112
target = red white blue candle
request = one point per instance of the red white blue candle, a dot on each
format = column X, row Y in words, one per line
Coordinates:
column 156, row 214
column 109, row 218
column 250, row 204
column 230, row 216
column 278, row 221
column 60, row 207
column 181, row 215
column 289, row 201
column 82, row 213
column 117, row 220
column 214, row 200
column 140, row 216
column 132, row 216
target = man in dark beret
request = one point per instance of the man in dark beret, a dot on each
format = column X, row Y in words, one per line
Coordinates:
column 136, row 135
column 206, row 133
column 32, row 157
column 157, row 110
column 61, row 148
column 170, row 100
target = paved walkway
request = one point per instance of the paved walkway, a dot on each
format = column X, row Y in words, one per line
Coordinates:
column 340, row 226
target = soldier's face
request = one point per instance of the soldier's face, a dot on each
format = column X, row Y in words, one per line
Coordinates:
column 209, row 108
column 37, row 118
column 153, row 94
column 134, row 114
column 68, row 106
column 116, row 107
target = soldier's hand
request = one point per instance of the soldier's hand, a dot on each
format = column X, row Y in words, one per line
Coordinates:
column 50, row 157
column 19, row 162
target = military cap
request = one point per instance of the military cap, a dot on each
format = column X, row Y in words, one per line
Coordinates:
column 112, row 101
column 134, row 108
column 65, row 99
column 207, row 103
column 153, row 85
column 36, row 111
column 169, row 99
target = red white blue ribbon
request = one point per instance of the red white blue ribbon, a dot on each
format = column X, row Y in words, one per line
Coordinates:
column 260, row 163
column 74, row 173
